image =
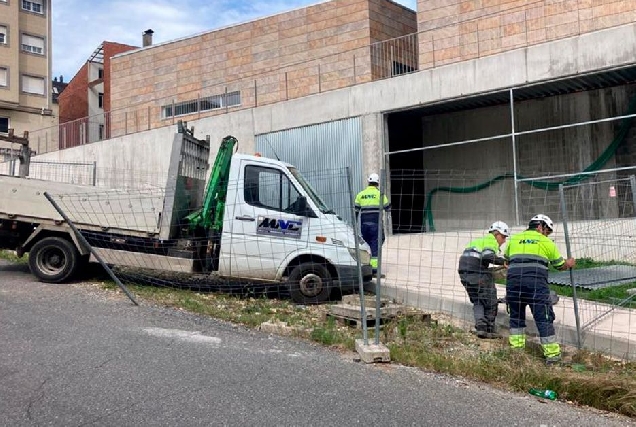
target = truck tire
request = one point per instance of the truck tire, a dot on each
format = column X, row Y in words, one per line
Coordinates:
column 310, row 283
column 54, row 260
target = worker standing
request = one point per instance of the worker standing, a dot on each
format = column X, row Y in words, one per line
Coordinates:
column 477, row 278
column 529, row 254
column 368, row 207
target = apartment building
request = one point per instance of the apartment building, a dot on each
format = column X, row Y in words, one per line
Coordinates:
column 25, row 66
column 85, row 102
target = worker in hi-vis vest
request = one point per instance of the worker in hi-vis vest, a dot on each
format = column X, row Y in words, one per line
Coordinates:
column 477, row 278
column 529, row 254
column 368, row 207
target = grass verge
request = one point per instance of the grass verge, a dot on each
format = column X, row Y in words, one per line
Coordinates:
column 440, row 345
column 11, row 256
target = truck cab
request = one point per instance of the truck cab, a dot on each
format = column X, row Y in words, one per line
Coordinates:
column 276, row 228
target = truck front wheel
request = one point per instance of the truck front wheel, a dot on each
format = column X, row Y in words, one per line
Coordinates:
column 310, row 283
column 54, row 260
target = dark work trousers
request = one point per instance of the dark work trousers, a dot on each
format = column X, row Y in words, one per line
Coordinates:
column 527, row 291
column 369, row 232
column 483, row 295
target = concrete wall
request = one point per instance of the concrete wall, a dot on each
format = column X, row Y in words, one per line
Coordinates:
column 452, row 30
column 564, row 151
column 133, row 161
column 585, row 53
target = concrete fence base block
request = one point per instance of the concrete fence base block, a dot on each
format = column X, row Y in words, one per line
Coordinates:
column 372, row 353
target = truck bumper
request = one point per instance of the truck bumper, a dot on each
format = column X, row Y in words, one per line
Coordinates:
column 348, row 276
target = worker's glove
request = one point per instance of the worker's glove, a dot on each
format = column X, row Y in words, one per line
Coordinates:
column 498, row 273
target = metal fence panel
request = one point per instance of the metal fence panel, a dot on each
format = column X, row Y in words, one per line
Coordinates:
column 318, row 148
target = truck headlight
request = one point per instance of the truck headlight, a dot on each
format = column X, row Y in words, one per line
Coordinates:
column 362, row 255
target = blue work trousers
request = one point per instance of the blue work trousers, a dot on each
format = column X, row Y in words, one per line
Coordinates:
column 523, row 291
column 369, row 232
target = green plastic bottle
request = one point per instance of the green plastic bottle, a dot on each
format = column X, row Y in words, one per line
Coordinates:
column 546, row 394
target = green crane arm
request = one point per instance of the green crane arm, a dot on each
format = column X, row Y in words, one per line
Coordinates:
column 210, row 216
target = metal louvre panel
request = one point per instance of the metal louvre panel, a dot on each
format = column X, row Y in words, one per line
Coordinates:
column 322, row 152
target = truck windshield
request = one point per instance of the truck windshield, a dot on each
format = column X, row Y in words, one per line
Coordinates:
column 310, row 191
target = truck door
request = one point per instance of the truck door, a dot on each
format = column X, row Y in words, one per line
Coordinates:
column 266, row 227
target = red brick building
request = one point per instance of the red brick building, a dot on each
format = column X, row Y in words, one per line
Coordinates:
column 85, row 103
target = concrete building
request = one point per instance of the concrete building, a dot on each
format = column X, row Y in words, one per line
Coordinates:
column 461, row 121
column 85, row 103
column 286, row 56
column 25, row 65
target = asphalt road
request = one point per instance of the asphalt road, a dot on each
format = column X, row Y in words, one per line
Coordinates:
column 74, row 355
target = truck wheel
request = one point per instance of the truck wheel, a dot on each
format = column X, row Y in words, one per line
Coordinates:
column 53, row 260
column 310, row 283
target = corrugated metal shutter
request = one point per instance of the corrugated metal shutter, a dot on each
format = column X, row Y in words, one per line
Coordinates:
column 322, row 153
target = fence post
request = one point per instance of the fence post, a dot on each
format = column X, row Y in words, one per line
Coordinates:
column 632, row 183
column 514, row 155
column 378, row 277
column 286, row 88
column 569, row 255
column 356, row 237
column 94, row 173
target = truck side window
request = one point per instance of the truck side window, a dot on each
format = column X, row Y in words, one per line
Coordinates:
column 269, row 188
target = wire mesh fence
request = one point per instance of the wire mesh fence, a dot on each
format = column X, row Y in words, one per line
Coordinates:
column 436, row 214
column 264, row 228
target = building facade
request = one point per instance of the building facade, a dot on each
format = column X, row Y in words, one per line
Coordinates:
column 25, row 66
column 285, row 56
column 85, row 103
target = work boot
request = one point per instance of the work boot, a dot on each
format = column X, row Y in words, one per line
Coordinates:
column 554, row 360
column 481, row 334
column 492, row 335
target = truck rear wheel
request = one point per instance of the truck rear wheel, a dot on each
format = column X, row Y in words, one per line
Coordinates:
column 310, row 283
column 54, row 260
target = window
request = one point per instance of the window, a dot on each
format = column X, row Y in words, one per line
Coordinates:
column 100, row 73
column 100, row 100
column 32, row 6
column 4, row 77
column 101, row 132
column 4, row 34
column 270, row 189
column 4, row 125
column 33, row 85
column 33, row 44
column 230, row 99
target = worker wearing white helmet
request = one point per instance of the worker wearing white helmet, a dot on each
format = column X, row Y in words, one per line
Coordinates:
column 530, row 253
column 477, row 278
column 368, row 207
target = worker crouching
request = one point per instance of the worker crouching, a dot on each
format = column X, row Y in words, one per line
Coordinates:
column 477, row 277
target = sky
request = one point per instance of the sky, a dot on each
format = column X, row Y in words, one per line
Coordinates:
column 79, row 26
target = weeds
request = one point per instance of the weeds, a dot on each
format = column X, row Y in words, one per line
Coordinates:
column 11, row 256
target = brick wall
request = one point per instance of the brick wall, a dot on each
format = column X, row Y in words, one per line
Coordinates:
column 458, row 30
column 290, row 55
column 111, row 49
column 73, row 100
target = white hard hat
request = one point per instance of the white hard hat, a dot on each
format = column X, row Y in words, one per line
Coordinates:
column 540, row 218
column 374, row 179
column 501, row 227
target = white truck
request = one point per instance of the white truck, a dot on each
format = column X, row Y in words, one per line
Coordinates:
column 256, row 220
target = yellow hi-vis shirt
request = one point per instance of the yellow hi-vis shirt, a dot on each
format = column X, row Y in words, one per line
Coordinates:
column 529, row 254
column 367, row 203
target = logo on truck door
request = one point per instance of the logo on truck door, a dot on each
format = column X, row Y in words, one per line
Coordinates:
column 279, row 227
